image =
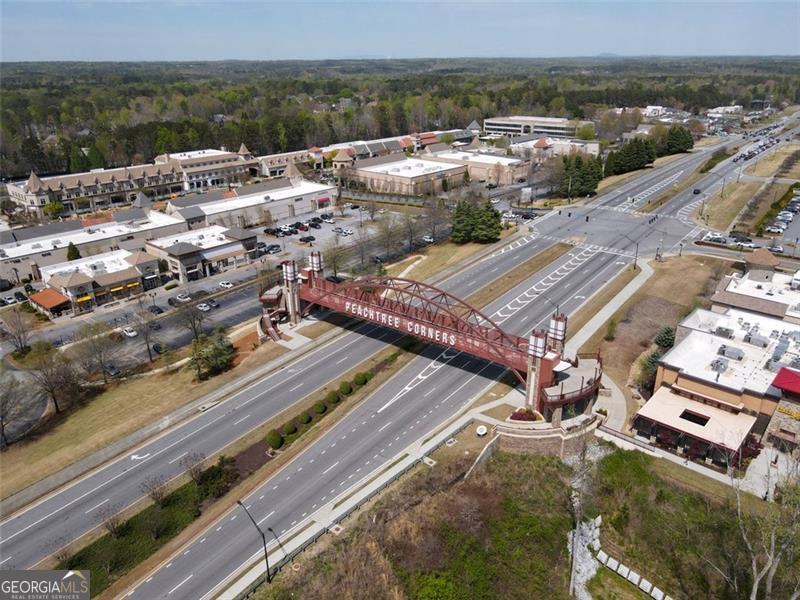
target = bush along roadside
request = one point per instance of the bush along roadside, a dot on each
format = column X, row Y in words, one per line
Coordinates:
column 292, row 429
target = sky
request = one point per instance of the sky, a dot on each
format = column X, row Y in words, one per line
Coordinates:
column 174, row 30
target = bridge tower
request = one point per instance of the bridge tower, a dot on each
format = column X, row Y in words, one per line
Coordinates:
column 537, row 346
column 290, row 290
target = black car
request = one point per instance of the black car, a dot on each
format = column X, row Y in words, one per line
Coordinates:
column 158, row 348
column 212, row 303
column 113, row 371
column 20, row 296
column 29, row 288
column 273, row 249
column 154, row 325
column 314, row 225
column 292, row 231
column 740, row 237
column 315, row 220
column 377, row 260
column 307, row 239
column 3, row 302
column 156, row 310
column 335, row 279
column 696, row 191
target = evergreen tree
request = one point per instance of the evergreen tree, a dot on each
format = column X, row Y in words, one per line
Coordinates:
column 95, row 158
column 611, row 164
column 72, row 252
column 488, row 224
column 78, row 162
column 463, row 223
column 679, row 139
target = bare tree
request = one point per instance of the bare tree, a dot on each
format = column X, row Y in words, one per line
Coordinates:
column 388, row 232
column 12, row 404
column 410, row 228
column 192, row 318
column 53, row 373
column 62, row 550
column 155, row 486
column 144, row 323
column 192, row 463
column 334, row 255
column 372, row 208
column 96, row 348
column 436, row 215
column 155, row 523
column 110, row 518
column 19, row 327
column 552, row 172
column 361, row 244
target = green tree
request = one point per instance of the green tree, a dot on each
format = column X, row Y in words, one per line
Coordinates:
column 53, row 209
column 488, row 224
column 679, row 139
column 72, row 251
column 274, row 439
column 78, row 161
column 665, row 338
column 585, row 132
column 463, row 222
column 211, row 355
column 95, row 158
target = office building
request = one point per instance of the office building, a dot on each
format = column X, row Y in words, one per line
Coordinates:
column 556, row 127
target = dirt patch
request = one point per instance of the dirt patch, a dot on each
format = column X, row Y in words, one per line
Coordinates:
column 769, row 165
column 719, row 212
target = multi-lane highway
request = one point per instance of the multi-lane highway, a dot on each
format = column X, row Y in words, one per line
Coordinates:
column 423, row 394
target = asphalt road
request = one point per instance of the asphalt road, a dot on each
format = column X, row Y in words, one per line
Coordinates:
column 66, row 514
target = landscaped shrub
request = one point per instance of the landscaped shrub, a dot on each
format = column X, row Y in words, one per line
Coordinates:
column 274, row 439
column 332, row 397
column 369, row 375
column 665, row 337
column 360, row 379
column 524, row 414
column 289, row 428
column 345, row 388
column 320, row 408
column 305, row 418
column 171, row 285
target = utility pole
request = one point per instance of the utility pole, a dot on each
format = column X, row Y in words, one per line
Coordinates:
column 263, row 538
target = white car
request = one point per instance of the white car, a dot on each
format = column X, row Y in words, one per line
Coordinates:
column 183, row 297
column 348, row 232
column 328, row 220
column 226, row 285
column 381, row 211
column 494, row 201
column 774, row 229
column 10, row 300
column 130, row 332
column 428, row 239
column 203, row 307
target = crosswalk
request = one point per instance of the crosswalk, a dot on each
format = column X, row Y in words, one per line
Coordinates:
column 590, row 247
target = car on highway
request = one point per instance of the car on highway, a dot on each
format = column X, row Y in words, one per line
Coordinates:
column 182, row 297
column 130, row 332
column 226, row 285
column 696, row 191
column 212, row 303
column 428, row 239
column 156, row 310
column 203, row 307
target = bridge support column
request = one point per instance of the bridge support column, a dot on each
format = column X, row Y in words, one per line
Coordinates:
column 558, row 332
column 537, row 346
column 290, row 291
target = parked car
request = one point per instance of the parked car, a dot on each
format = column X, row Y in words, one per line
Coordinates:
column 3, row 302
column 328, row 220
column 337, row 230
column 377, row 260
column 428, row 239
column 774, row 229
column 212, row 303
column 226, row 285
column 777, row 249
column 158, row 348
column 203, row 307
column 154, row 325
column 348, row 231
column 130, row 332
column 183, row 297
column 315, row 220
column 739, row 237
column 156, row 310
column 112, row 371
column 20, row 296
column 494, row 201
column 273, row 249
column 314, row 225
column 307, row 239
column 302, row 227
column 335, row 279
column 30, row 289
column 10, row 300
column 491, row 186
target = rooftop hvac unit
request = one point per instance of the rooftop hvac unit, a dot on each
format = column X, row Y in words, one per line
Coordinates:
column 795, row 364
column 724, row 332
column 780, row 349
column 731, row 352
column 719, row 365
column 756, row 340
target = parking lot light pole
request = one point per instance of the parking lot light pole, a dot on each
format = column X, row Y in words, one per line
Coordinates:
column 263, row 537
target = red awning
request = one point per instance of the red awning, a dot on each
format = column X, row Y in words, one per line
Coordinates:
column 787, row 380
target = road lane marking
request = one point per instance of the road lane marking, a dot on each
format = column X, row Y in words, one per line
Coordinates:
column 93, row 508
column 341, row 360
column 218, row 528
column 6, row 560
column 429, row 393
column 329, row 468
column 203, row 540
column 297, row 387
column 177, row 458
column 384, row 427
column 244, row 418
column 180, row 584
column 272, row 512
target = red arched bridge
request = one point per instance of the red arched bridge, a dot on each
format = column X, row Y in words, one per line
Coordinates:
column 431, row 314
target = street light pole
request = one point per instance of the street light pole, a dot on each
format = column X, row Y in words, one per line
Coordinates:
column 263, row 538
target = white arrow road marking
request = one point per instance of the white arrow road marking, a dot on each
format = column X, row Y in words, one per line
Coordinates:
column 137, row 457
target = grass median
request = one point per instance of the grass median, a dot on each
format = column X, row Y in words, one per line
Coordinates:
column 607, row 293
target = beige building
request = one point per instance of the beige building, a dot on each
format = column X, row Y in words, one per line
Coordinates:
column 540, row 148
column 396, row 174
column 492, row 168
column 97, row 280
column 24, row 251
column 203, row 169
column 525, row 125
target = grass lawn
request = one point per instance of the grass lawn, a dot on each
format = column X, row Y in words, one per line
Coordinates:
column 606, row 585
column 118, row 411
column 677, row 285
column 722, row 211
column 767, row 197
column 767, row 166
column 708, row 140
